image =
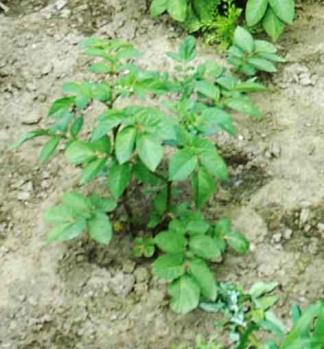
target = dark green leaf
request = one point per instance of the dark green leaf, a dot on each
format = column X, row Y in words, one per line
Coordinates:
column 255, row 10
column 150, row 151
column 204, row 278
column 184, row 294
column 125, row 142
column 77, row 126
column 61, row 105
column 49, row 148
column 143, row 174
column 100, row 228
column 170, row 242
column 101, row 145
column 182, row 164
column 169, row 267
column 119, row 178
column 29, row 136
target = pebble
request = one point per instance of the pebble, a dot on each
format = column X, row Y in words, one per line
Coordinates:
column 60, row 4
column 23, row 196
column 122, row 284
column 287, row 234
column 276, row 238
column 31, row 119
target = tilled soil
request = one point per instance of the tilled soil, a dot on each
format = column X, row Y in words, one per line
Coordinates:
column 81, row 295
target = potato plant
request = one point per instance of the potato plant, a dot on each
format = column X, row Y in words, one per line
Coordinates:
column 158, row 138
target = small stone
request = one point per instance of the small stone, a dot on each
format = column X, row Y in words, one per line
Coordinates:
column 141, row 274
column 276, row 238
column 47, row 69
column 60, row 4
column 23, row 196
column 31, row 119
column 304, row 216
column 122, row 284
column 287, row 234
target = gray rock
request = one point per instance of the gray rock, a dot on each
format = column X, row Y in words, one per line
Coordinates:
column 122, row 284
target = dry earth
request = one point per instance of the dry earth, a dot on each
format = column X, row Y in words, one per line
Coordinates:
column 81, row 295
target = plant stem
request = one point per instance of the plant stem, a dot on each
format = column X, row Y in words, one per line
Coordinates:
column 169, row 197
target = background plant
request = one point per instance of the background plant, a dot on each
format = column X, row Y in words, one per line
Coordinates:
column 128, row 147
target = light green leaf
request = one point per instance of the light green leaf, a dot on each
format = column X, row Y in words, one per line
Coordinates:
column 158, row 7
column 204, row 186
column 255, row 10
column 150, row 151
column 184, row 294
column 78, row 203
column 205, row 247
column 284, row 9
column 169, row 267
column 250, row 87
column 91, row 170
column 207, row 89
column 214, row 164
column 262, row 64
column 243, row 105
column 67, row 231
column 77, row 125
column 243, row 39
column 102, row 203
column 29, row 136
column 237, row 241
column 214, row 120
column 100, row 228
column 178, row 9
column 49, row 148
column 170, row 242
column 182, row 164
column 125, row 142
column 261, row 288
column 79, row 152
column 187, row 49
column 119, row 178
column 59, row 214
column 272, row 24
column 204, row 278
column 262, row 46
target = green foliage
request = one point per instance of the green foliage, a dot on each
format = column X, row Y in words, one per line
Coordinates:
column 220, row 30
column 150, row 146
column 249, row 56
column 273, row 15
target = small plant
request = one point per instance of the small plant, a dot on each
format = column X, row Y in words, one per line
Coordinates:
column 157, row 140
column 220, row 30
column 249, row 56
column 273, row 15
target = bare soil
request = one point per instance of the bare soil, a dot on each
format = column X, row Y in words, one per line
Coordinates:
column 81, row 295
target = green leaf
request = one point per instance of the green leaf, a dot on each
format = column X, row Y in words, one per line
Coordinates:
column 92, row 169
column 243, row 39
column 186, row 51
column 170, row 242
column 158, row 7
column 203, row 185
column 101, row 92
column 29, row 136
column 261, row 288
column 119, row 178
column 272, row 24
column 250, row 87
column 204, row 278
column 243, row 105
column 207, row 89
column 237, row 241
column 214, row 120
column 78, row 203
column 82, row 93
column 61, row 105
column 67, row 231
column 284, row 9
column 100, row 68
column 102, row 203
column 255, row 10
column 195, row 223
column 169, row 267
column 101, row 145
column 262, row 46
column 184, row 294
column 149, row 151
column 77, row 125
column 49, row 148
column 182, row 164
column 178, row 9
column 205, row 247
column 100, row 228
column 214, row 164
column 125, row 142
column 263, row 64
column 79, row 152
column 58, row 214
column 144, row 246
column 107, row 122
column 143, row 174
column 319, row 327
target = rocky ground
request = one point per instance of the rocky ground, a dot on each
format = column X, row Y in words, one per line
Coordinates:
column 81, row 295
